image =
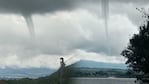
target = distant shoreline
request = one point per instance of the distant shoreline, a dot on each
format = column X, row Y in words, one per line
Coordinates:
column 88, row 80
column 102, row 78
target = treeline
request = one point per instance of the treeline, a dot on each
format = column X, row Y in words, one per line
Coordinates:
column 96, row 72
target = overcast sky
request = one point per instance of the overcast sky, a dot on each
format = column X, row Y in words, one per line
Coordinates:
column 70, row 28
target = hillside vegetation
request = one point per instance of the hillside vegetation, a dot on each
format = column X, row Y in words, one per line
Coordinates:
column 52, row 79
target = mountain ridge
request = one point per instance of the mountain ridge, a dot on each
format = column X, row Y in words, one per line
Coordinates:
column 15, row 73
column 94, row 64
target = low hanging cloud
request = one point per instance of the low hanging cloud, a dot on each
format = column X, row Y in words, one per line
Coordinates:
column 40, row 61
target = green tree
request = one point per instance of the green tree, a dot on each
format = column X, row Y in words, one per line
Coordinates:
column 137, row 53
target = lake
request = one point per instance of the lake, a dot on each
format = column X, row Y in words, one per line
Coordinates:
column 103, row 80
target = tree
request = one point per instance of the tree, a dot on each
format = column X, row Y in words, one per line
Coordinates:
column 137, row 53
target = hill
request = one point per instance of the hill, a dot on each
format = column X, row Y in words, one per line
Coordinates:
column 93, row 64
column 101, row 73
column 17, row 73
column 51, row 79
column 79, row 69
column 85, row 68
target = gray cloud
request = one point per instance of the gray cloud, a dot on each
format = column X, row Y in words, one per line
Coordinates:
column 43, row 6
column 63, row 31
column 34, row 6
column 29, row 7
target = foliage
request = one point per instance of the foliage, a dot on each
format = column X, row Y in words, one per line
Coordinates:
column 137, row 53
column 101, row 72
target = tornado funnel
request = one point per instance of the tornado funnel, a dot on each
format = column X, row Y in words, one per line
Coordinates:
column 105, row 13
column 30, row 25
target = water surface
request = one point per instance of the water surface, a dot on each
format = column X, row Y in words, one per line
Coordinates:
column 103, row 80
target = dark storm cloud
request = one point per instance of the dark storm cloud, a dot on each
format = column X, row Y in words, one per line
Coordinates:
column 27, row 8
column 34, row 6
column 67, row 31
column 44, row 6
column 39, row 6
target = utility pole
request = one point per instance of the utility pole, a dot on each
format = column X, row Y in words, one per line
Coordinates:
column 62, row 63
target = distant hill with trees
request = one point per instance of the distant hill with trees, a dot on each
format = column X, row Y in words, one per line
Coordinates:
column 94, row 64
column 86, row 68
column 74, row 71
column 51, row 79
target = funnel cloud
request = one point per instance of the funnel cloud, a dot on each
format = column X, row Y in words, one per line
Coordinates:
column 27, row 8
column 30, row 25
column 105, row 12
column 31, row 7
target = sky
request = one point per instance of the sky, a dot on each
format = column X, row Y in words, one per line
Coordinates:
column 36, row 33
